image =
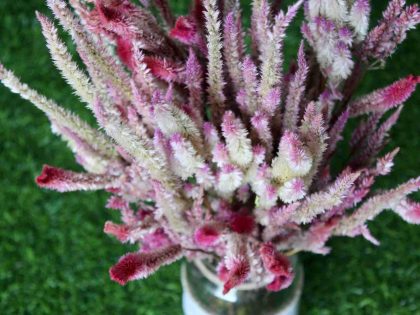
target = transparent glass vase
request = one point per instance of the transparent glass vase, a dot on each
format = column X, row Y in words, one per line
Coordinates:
column 202, row 294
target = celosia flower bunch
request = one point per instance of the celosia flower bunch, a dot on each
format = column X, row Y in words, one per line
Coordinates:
column 210, row 148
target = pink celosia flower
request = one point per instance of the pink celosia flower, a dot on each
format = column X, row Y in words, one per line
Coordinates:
column 318, row 235
column 242, row 223
column 121, row 232
column 274, row 262
column 125, row 52
column 280, row 216
column 409, row 211
column 155, row 240
column 281, row 282
column 278, row 265
column 386, row 98
column 235, row 275
column 207, row 148
column 163, row 69
column 383, row 39
column 292, row 190
column 207, row 235
column 140, row 265
column 185, row 30
column 359, row 18
column 63, row 180
column 222, row 272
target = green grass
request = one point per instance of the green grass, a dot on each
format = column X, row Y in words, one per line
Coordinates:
column 54, row 257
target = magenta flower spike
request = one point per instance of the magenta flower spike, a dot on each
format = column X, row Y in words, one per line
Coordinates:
column 140, row 265
column 387, row 98
column 63, row 180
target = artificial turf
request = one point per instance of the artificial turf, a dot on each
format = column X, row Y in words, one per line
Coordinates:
column 54, row 257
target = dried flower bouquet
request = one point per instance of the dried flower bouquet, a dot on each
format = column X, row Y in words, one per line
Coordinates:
column 208, row 147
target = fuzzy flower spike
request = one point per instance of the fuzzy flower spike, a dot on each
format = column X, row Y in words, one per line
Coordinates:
column 208, row 149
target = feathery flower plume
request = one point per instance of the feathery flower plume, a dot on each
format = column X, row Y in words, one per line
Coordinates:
column 215, row 61
column 313, row 134
column 102, row 66
column 250, row 78
column 293, row 160
column 384, row 165
column 140, row 265
column 232, row 48
column 207, row 235
column 409, row 211
column 278, row 265
column 261, row 123
column 335, row 133
column 238, row 143
column 359, row 18
column 194, row 82
column 260, row 26
column 391, row 31
column 64, row 62
column 59, row 115
column 392, row 199
column 296, row 91
column 386, row 98
column 318, row 203
column 375, row 140
column 63, row 180
column 236, row 263
column 272, row 56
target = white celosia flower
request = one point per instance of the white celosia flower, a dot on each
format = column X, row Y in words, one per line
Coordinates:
column 229, row 179
column 237, row 142
column 294, row 159
column 186, row 156
column 334, row 9
column 64, row 61
column 342, row 64
column 314, row 8
column 359, row 18
column 320, row 202
column 292, row 190
column 281, row 170
column 171, row 119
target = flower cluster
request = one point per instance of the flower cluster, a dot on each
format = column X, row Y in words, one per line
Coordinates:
column 208, row 147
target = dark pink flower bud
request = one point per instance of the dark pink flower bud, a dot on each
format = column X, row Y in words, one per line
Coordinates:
column 274, row 262
column 386, row 98
column 242, row 223
column 163, row 69
column 133, row 266
column 222, row 272
column 120, row 231
column 63, row 180
column 109, row 11
column 398, row 92
column 207, row 235
column 277, row 264
column 185, row 30
column 117, row 203
column 280, row 283
column 236, row 275
column 155, row 240
column 125, row 52
column 409, row 211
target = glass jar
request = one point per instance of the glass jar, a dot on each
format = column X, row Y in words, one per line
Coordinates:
column 202, row 294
